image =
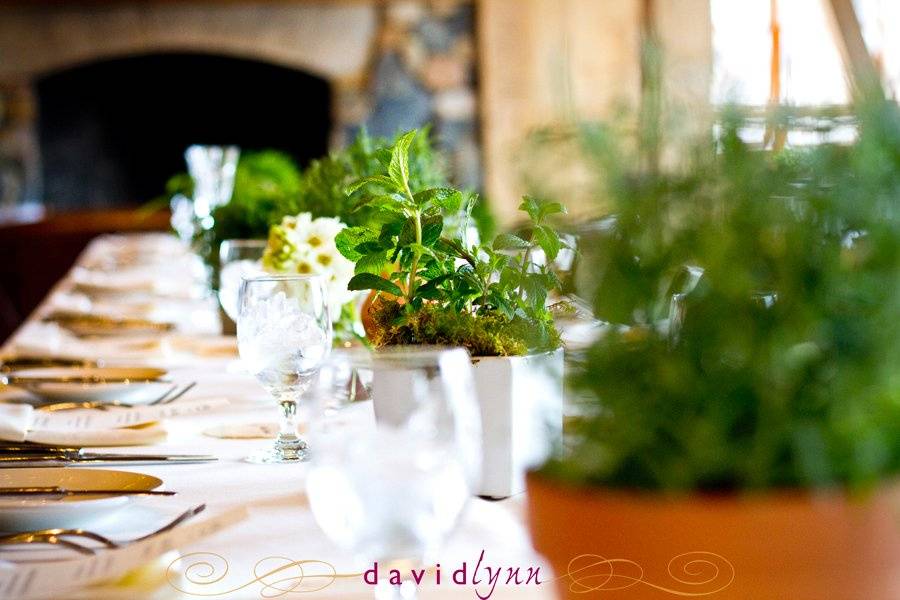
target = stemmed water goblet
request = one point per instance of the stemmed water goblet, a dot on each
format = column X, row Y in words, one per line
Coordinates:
column 284, row 335
column 392, row 491
column 238, row 259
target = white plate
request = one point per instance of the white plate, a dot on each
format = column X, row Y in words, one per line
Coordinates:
column 28, row 514
column 93, row 384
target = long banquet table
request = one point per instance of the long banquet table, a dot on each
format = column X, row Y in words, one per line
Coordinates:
column 278, row 521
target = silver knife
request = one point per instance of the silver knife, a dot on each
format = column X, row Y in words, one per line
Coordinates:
column 91, row 458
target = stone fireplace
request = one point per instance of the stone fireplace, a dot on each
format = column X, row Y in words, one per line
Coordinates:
column 110, row 131
column 321, row 69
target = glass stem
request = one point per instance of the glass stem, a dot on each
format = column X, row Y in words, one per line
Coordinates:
column 287, row 435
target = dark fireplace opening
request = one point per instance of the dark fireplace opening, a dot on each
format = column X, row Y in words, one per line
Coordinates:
column 112, row 132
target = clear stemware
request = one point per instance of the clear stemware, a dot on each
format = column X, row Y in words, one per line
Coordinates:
column 212, row 169
column 238, row 260
column 393, row 490
column 284, row 335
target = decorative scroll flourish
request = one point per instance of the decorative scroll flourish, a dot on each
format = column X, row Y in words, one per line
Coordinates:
column 204, row 573
column 693, row 573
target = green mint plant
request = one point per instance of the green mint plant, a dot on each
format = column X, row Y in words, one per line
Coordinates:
column 490, row 298
column 784, row 370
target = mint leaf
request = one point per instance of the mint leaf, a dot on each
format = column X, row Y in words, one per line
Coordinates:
column 370, row 281
column 408, row 233
column 531, row 206
column 399, row 167
column 551, row 208
column 448, row 199
column 373, row 262
column 349, row 238
column 430, row 289
column 431, row 229
column 374, row 179
column 535, row 290
column 389, row 202
column 548, row 240
column 508, row 241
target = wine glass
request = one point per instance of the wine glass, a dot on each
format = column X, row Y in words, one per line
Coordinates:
column 238, row 259
column 393, row 490
column 213, row 169
column 284, row 335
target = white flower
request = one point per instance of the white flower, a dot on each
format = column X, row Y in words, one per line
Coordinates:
column 313, row 252
column 299, row 223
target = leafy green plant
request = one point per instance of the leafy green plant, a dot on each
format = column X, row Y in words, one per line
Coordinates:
column 325, row 181
column 781, row 367
column 441, row 289
column 269, row 186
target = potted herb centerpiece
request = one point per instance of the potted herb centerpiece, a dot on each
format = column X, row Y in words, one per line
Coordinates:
column 749, row 448
column 431, row 288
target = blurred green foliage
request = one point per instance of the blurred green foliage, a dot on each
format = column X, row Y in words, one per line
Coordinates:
column 782, row 366
column 269, row 185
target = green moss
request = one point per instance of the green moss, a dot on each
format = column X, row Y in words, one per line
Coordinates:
column 484, row 335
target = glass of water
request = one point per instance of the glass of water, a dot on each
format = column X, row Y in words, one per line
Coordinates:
column 238, row 260
column 391, row 488
column 284, row 336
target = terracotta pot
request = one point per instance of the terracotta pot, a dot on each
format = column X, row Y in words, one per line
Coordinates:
column 365, row 312
column 778, row 546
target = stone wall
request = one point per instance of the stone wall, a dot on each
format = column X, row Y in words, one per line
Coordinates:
column 422, row 71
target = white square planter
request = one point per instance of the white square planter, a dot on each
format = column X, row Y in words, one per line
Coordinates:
column 521, row 399
column 521, row 404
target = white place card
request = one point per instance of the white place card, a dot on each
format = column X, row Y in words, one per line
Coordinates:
column 113, row 417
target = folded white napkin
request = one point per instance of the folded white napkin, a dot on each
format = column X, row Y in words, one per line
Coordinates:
column 85, row 427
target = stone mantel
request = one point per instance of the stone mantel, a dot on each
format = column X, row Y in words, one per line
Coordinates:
column 332, row 40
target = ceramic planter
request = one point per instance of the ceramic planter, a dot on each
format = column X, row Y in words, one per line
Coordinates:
column 778, row 546
column 521, row 399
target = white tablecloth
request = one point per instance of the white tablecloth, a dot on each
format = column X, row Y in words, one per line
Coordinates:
column 280, row 523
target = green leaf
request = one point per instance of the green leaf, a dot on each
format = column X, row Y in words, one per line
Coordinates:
column 431, row 229
column 371, row 263
column 370, row 246
column 548, row 240
column 423, row 250
column 408, row 233
column 370, row 281
column 399, row 167
column 448, row 199
column 509, row 278
column 389, row 202
column 551, row 208
column 535, row 290
column 531, row 206
column 374, row 179
column 390, row 229
column 349, row 238
column 430, row 289
column 508, row 241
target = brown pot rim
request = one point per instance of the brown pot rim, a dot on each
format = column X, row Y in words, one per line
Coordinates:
column 536, row 479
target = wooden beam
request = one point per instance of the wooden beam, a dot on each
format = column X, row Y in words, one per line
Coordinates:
column 859, row 63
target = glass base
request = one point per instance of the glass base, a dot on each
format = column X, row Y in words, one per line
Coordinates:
column 283, row 451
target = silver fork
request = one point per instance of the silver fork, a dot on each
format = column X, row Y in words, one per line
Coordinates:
column 55, row 536
column 167, row 397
